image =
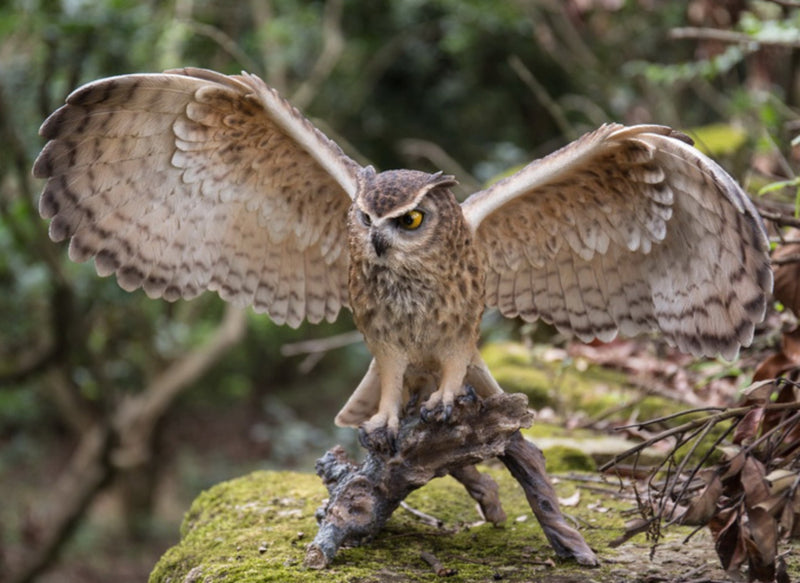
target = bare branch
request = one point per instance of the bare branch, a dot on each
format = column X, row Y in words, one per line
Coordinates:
column 436, row 155
column 89, row 470
column 136, row 418
column 321, row 344
column 225, row 42
column 539, row 90
column 727, row 36
column 332, row 47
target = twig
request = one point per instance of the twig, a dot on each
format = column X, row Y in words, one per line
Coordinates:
column 424, row 518
column 225, row 42
column 436, row 565
column 607, row 492
column 779, row 219
column 321, row 344
column 727, row 36
column 553, row 108
column 441, row 160
column 694, row 425
column 332, row 47
column 785, row 260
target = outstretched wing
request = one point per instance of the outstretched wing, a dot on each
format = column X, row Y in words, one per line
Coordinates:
column 193, row 180
column 627, row 229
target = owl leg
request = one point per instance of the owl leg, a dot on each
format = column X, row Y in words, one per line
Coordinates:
column 387, row 420
column 480, row 379
column 451, row 386
column 363, row 403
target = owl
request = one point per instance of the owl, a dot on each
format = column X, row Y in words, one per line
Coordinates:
column 192, row 180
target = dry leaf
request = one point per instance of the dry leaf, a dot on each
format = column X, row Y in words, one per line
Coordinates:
column 753, row 482
column 572, row 500
column 703, row 506
column 787, row 276
column 780, row 479
column 761, row 543
column 728, row 540
column 783, row 361
column 735, row 462
column 747, row 429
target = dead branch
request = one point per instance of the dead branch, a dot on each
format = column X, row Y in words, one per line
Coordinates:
column 329, row 54
column 321, row 345
column 694, row 425
column 88, row 472
column 136, row 418
column 105, row 451
column 363, row 497
column 436, row 155
column 543, row 96
column 727, row 36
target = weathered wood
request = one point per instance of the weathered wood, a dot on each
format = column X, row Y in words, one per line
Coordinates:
column 526, row 463
column 363, row 496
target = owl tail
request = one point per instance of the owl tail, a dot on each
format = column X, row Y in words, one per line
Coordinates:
column 363, row 403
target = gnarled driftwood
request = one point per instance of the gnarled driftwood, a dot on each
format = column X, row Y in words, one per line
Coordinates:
column 363, row 496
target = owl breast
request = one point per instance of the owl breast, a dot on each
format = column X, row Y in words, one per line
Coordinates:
column 419, row 305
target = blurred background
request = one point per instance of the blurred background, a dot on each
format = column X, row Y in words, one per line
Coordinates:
column 116, row 410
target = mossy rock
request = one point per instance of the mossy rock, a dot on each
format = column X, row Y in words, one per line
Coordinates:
column 534, row 383
column 563, row 458
column 255, row 529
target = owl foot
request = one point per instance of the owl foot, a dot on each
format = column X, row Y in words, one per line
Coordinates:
column 379, row 434
column 440, row 410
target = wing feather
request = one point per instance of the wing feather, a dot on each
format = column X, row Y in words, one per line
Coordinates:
column 627, row 229
column 193, row 180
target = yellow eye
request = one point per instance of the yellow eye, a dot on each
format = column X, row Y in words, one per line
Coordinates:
column 411, row 220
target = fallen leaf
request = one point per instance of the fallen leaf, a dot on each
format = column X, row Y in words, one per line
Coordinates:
column 786, row 359
column 753, row 482
column 703, row 506
column 780, row 479
column 571, row 500
column 761, row 543
column 747, row 429
column 728, row 542
column 786, row 288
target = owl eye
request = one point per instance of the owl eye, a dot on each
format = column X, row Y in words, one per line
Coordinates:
column 411, row 220
column 365, row 219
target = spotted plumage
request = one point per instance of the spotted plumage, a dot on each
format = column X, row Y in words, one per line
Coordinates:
column 191, row 180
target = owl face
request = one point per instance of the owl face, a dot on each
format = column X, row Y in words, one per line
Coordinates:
column 399, row 212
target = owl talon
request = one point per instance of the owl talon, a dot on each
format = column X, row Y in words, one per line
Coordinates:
column 440, row 412
column 468, row 397
column 447, row 413
column 382, row 440
column 425, row 414
column 379, row 434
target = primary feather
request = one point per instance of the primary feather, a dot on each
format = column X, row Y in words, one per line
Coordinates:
column 627, row 229
column 192, row 180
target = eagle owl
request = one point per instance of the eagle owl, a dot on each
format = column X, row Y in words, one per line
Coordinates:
column 192, row 180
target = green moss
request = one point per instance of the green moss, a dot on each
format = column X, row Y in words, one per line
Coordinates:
column 256, row 528
column 536, row 384
column 497, row 354
column 562, row 458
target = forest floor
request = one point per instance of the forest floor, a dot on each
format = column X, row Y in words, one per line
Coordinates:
column 583, row 397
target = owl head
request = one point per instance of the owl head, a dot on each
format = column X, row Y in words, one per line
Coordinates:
column 400, row 211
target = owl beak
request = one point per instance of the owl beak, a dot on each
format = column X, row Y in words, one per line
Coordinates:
column 379, row 242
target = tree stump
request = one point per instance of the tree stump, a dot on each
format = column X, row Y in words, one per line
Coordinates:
column 364, row 496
